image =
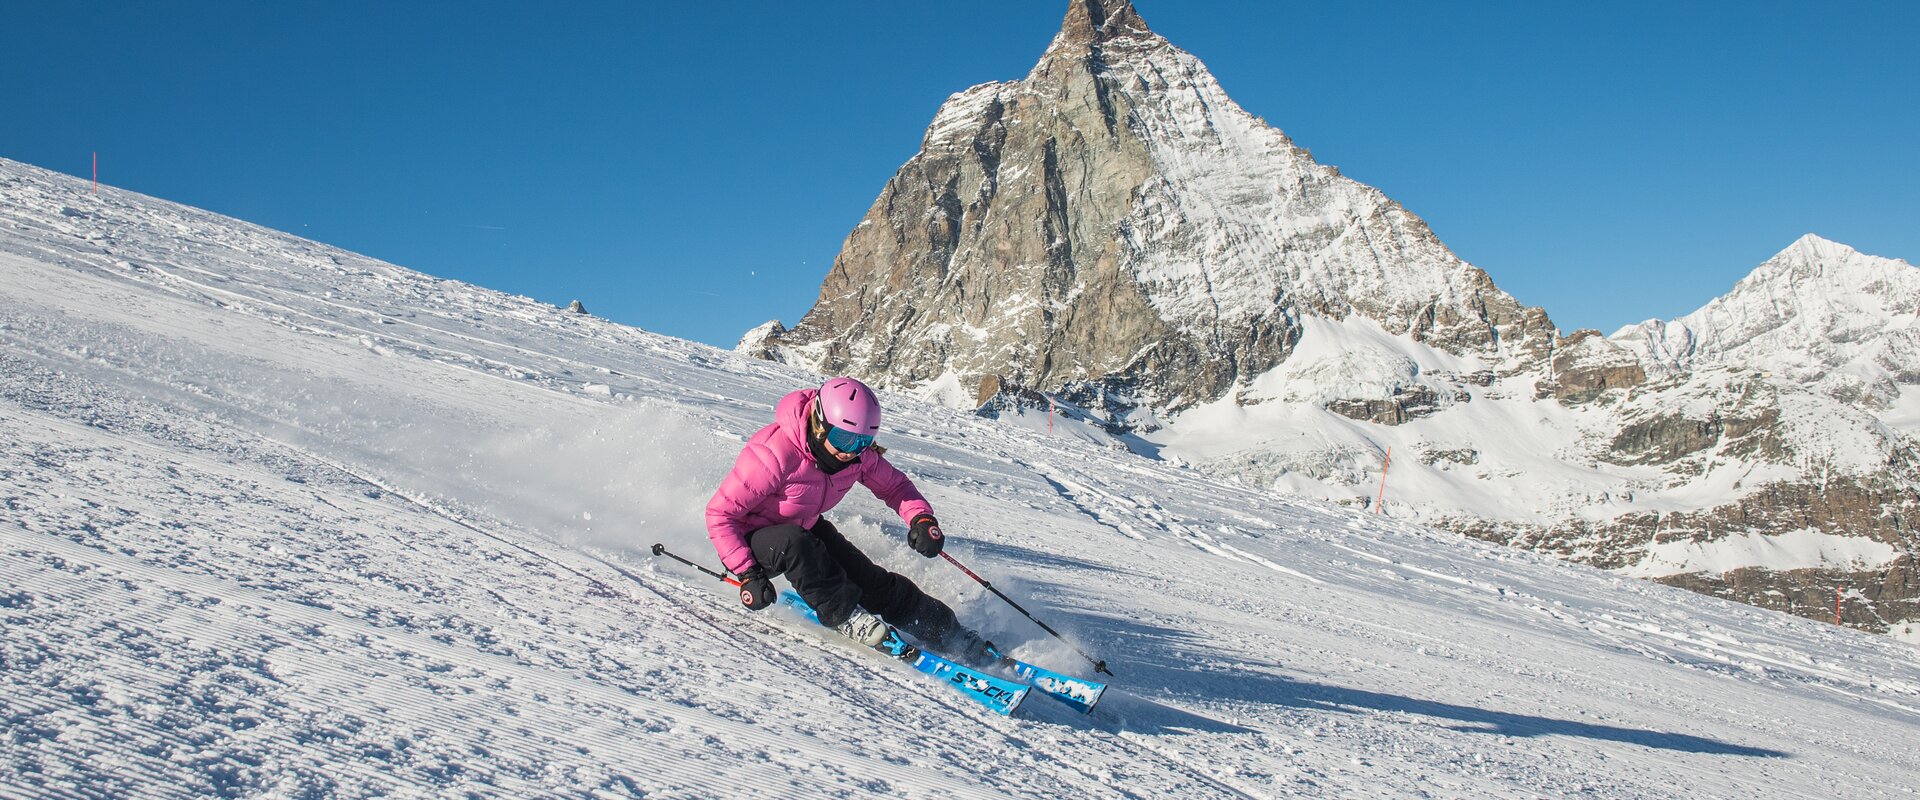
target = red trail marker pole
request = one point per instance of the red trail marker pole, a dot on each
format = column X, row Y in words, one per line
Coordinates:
column 1380, row 505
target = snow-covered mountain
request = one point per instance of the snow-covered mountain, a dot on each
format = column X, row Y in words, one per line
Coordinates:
column 1113, row 234
column 277, row 520
column 1818, row 313
column 1116, row 227
column 1763, row 448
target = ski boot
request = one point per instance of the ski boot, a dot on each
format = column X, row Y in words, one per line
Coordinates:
column 966, row 647
column 865, row 628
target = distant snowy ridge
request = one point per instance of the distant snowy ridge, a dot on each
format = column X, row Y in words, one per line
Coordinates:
column 1782, row 453
column 1819, row 312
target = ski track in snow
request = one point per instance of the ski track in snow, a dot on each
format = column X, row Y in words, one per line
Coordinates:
column 281, row 521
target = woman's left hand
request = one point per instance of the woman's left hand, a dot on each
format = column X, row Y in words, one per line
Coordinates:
column 925, row 537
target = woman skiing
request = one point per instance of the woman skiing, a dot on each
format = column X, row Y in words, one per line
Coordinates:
column 765, row 521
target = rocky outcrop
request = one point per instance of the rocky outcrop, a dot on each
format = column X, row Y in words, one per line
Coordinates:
column 1409, row 403
column 1586, row 365
column 761, row 341
column 1874, row 593
column 1870, row 600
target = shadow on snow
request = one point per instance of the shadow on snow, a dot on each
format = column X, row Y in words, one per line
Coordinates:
column 1154, row 660
column 1151, row 660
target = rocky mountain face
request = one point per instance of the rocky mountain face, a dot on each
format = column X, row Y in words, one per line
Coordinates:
column 1116, row 227
column 1114, row 236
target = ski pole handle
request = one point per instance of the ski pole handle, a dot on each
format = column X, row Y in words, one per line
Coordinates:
column 661, row 550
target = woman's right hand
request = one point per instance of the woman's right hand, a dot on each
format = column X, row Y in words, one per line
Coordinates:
column 756, row 592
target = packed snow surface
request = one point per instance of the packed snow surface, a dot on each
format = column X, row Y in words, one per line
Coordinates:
column 278, row 520
column 1787, row 551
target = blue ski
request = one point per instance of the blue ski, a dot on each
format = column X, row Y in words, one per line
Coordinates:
column 1079, row 693
column 999, row 695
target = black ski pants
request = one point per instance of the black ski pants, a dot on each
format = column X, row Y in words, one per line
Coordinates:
column 833, row 576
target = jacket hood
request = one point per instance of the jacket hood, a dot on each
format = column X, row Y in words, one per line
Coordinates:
column 791, row 415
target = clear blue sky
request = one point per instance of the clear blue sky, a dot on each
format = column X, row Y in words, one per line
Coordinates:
column 692, row 168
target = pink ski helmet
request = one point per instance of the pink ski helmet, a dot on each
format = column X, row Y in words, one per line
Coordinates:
column 849, row 405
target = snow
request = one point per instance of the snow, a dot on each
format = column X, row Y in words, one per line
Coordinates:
column 1490, row 452
column 1351, row 359
column 757, row 337
column 278, row 520
column 1801, row 549
column 953, row 125
column 948, row 391
column 1482, row 455
column 1809, row 310
column 1905, row 413
column 1238, row 222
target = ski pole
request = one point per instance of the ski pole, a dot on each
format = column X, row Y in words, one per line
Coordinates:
column 1098, row 665
column 661, row 550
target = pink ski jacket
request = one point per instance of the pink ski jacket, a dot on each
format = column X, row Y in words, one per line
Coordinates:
column 775, row 481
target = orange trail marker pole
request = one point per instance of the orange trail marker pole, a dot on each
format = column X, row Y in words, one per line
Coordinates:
column 1380, row 505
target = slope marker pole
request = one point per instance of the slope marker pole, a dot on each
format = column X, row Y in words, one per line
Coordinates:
column 1380, row 505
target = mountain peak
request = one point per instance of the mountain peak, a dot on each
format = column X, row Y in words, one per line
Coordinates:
column 1812, row 257
column 1092, row 33
column 1095, row 21
column 1818, row 304
column 1813, row 247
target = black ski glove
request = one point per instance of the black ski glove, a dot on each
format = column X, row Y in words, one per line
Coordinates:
column 756, row 592
column 924, row 536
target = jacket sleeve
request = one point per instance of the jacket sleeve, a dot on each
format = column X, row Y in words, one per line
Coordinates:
column 894, row 488
column 754, row 478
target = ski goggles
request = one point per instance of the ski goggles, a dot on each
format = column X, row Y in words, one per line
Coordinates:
column 847, row 441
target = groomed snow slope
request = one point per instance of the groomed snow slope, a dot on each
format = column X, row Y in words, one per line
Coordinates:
column 281, row 521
